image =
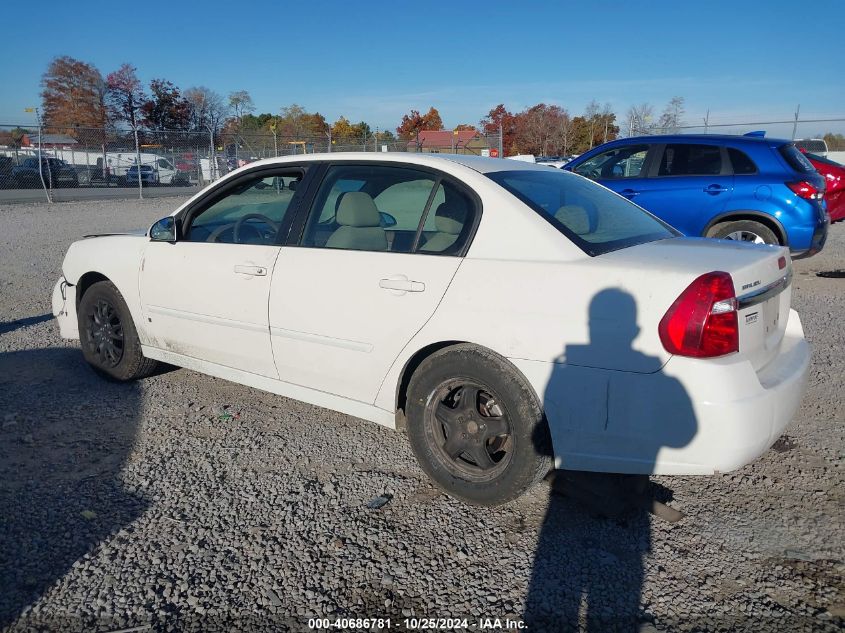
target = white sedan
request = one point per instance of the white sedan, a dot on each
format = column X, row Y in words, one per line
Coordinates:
column 508, row 316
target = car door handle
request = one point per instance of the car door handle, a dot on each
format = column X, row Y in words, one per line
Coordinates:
column 715, row 189
column 629, row 193
column 402, row 284
column 253, row 271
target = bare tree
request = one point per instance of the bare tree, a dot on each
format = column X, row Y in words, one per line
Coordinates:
column 240, row 103
column 672, row 117
column 640, row 119
column 207, row 108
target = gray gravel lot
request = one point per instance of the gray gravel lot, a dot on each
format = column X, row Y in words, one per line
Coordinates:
column 184, row 502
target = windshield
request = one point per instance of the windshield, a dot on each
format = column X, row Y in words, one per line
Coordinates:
column 594, row 218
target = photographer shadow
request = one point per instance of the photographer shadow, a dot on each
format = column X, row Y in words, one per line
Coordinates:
column 588, row 565
column 65, row 438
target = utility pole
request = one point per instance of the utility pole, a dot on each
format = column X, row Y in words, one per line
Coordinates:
column 40, row 168
column 329, row 136
column 795, row 125
column 501, row 142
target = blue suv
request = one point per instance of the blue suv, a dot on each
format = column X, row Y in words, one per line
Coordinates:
column 747, row 188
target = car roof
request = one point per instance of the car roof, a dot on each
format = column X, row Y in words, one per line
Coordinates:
column 480, row 164
column 713, row 138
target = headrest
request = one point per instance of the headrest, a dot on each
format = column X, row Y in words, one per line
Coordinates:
column 357, row 208
column 450, row 218
column 575, row 218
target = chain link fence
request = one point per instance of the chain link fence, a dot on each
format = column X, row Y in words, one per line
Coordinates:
column 50, row 157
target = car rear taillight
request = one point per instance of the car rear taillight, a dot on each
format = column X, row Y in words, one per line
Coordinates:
column 702, row 322
column 806, row 190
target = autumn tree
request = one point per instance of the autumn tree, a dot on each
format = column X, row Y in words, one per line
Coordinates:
column 596, row 126
column 73, row 95
column 13, row 138
column 460, row 127
column 544, row 129
column 501, row 117
column 166, row 108
column 125, row 96
column 413, row 123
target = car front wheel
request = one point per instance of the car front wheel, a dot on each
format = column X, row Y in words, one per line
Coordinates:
column 744, row 231
column 108, row 336
column 476, row 427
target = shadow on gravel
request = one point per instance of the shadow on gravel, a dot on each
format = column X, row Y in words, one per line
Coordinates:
column 588, row 567
column 11, row 326
column 65, row 436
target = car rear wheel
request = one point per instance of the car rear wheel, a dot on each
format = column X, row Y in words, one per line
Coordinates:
column 744, row 231
column 476, row 427
column 108, row 336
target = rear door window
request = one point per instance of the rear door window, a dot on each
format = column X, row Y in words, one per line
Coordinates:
column 683, row 159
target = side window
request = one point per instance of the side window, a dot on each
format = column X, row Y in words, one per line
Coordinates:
column 369, row 208
column 252, row 213
column 742, row 164
column 690, row 160
column 163, row 164
column 620, row 162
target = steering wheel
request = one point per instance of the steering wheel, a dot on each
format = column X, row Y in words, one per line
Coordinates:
column 253, row 216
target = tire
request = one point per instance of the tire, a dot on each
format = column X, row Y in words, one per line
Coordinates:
column 504, row 421
column 108, row 337
column 744, row 231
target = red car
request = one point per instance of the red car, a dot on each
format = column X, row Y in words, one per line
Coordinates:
column 834, row 176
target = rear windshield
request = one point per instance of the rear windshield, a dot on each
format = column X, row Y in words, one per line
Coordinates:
column 795, row 158
column 594, row 218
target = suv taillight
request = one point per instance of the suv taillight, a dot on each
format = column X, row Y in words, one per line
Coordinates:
column 806, row 190
column 702, row 322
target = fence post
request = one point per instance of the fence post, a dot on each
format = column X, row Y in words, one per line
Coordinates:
column 40, row 169
column 795, row 125
column 138, row 164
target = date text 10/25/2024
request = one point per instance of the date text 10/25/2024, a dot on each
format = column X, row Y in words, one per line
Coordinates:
column 415, row 624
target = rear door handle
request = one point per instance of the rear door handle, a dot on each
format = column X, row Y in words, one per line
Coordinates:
column 253, row 271
column 630, row 193
column 715, row 189
column 402, row 284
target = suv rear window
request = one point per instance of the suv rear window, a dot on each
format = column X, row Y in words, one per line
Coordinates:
column 793, row 156
column 594, row 218
column 681, row 159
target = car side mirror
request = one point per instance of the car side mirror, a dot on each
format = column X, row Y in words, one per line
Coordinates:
column 164, row 230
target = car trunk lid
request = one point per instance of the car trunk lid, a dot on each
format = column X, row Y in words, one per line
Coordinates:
column 761, row 275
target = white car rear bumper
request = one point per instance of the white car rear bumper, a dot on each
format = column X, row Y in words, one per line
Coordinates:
column 692, row 417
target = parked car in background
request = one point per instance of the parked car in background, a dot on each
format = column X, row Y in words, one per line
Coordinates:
column 148, row 175
column 366, row 284
column 7, row 180
column 817, row 146
column 747, row 188
column 834, row 175
column 56, row 173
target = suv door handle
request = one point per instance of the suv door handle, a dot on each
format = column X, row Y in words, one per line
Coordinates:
column 715, row 189
column 629, row 193
column 401, row 283
column 253, row 271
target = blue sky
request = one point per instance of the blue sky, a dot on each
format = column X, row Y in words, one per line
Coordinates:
column 376, row 60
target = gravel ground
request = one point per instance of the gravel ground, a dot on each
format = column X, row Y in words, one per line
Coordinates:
column 184, row 502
